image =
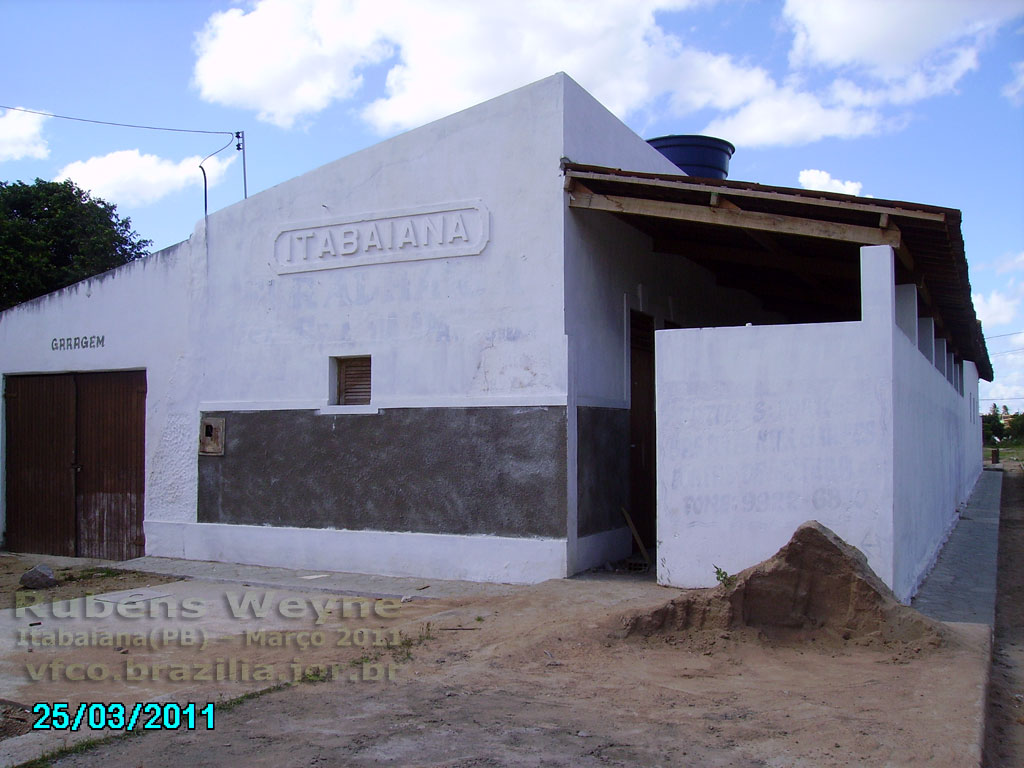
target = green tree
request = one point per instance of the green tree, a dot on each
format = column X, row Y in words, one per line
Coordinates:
column 1016, row 429
column 992, row 425
column 53, row 234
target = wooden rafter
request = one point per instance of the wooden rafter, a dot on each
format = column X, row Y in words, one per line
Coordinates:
column 581, row 197
column 852, row 204
column 927, row 239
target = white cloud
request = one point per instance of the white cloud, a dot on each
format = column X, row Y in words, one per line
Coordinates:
column 130, row 178
column 1006, row 389
column 614, row 49
column 1011, row 264
column 891, row 39
column 785, row 116
column 995, row 309
column 1014, row 90
column 915, row 86
column 21, row 136
column 290, row 59
column 823, row 181
column 287, row 58
column 278, row 60
column 903, row 51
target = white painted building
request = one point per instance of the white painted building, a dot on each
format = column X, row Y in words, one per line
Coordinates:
column 437, row 357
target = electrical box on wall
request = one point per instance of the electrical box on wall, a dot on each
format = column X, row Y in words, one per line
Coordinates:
column 211, row 436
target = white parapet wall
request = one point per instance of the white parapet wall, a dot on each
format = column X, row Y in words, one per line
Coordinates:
column 762, row 428
column 936, row 457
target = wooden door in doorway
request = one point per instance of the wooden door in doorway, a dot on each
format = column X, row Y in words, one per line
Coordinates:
column 642, row 449
column 75, row 464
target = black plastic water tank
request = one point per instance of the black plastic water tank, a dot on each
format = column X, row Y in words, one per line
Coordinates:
column 703, row 156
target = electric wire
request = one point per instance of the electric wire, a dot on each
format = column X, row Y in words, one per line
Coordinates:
column 119, row 125
column 233, row 135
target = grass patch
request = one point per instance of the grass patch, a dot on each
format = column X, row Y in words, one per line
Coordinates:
column 227, row 706
column 46, row 760
column 315, row 675
column 1009, row 450
column 402, row 650
column 93, row 573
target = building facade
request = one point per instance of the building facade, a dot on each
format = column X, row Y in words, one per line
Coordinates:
column 466, row 351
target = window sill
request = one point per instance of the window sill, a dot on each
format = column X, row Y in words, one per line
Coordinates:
column 340, row 410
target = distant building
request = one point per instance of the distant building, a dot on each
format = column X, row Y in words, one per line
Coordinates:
column 463, row 352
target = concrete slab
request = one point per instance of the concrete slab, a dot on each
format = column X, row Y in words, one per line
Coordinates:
column 364, row 585
column 962, row 585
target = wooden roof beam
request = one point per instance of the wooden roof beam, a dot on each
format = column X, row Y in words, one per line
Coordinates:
column 853, row 204
column 582, row 198
column 764, row 240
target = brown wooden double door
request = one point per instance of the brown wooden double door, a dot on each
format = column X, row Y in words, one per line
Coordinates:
column 75, row 447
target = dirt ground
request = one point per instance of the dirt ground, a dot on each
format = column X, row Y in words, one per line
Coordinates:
column 552, row 675
column 74, row 580
column 1004, row 747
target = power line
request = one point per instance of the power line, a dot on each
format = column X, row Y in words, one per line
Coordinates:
column 1003, row 335
column 1007, row 352
column 1000, row 399
column 238, row 136
column 119, row 125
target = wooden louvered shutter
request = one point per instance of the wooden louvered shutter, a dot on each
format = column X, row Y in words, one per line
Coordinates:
column 354, row 381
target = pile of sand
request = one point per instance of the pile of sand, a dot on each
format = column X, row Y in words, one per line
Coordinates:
column 816, row 588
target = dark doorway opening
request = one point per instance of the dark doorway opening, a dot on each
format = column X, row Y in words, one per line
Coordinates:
column 642, row 449
column 76, row 464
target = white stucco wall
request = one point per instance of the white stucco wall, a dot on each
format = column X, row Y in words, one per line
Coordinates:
column 537, row 315
column 480, row 329
column 484, row 329
column 220, row 324
column 610, row 269
column 936, row 457
column 144, row 313
column 763, row 428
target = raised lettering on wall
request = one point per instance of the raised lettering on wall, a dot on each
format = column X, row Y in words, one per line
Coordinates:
column 436, row 232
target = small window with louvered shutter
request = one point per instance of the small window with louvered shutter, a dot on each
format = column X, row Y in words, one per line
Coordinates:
column 353, row 381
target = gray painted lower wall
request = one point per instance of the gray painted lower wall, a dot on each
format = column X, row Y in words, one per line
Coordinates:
column 602, row 469
column 499, row 471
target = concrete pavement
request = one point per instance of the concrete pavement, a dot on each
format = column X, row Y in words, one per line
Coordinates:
column 962, row 585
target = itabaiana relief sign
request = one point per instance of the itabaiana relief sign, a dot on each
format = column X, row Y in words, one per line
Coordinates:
column 435, row 232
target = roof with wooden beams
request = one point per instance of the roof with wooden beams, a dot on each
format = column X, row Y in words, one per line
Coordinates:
column 797, row 250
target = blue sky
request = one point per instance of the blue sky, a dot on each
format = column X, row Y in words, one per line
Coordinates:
column 919, row 100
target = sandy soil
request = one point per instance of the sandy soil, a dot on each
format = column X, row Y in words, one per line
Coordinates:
column 1004, row 746
column 585, row 673
column 74, row 580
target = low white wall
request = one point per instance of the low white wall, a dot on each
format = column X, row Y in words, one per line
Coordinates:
column 762, row 428
column 851, row 424
column 936, row 457
column 477, row 558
